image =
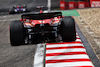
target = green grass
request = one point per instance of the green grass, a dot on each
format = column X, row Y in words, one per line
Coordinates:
column 70, row 13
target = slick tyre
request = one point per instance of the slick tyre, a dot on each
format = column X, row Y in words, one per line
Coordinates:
column 68, row 29
column 17, row 33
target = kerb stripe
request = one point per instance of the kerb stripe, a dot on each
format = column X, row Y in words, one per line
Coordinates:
column 65, row 47
column 67, row 60
column 66, row 53
column 65, row 43
column 80, row 66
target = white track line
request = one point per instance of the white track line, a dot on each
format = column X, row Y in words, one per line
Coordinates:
column 66, row 50
column 39, row 56
column 80, row 56
column 70, row 64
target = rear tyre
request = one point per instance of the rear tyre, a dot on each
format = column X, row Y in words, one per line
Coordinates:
column 68, row 29
column 11, row 11
column 17, row 33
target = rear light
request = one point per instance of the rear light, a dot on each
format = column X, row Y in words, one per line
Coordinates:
column 21, row 20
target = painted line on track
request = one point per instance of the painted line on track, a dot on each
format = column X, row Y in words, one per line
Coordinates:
column 39, row 56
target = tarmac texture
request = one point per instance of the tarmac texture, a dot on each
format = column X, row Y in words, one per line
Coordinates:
column 10, row 56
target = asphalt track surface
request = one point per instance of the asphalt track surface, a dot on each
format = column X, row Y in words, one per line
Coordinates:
column 18, row 56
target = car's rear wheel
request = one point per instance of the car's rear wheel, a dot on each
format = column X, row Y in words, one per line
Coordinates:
column 11, row 11
column 68, row 29
column 17, row 33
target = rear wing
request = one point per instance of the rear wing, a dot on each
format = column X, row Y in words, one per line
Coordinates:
column 41, row 16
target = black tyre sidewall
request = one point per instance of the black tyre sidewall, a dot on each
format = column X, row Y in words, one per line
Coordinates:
column 17, row 33
column 11, row 11
column 68, row 29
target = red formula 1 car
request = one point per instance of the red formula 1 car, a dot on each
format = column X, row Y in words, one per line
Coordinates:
column 39, row 27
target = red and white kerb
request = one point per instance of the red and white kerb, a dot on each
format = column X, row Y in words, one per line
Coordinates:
column 67, row 54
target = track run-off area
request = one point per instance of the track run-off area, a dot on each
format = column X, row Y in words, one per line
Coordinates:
column 24, row 55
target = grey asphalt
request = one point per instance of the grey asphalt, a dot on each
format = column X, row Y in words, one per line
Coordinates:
column 18, row 56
